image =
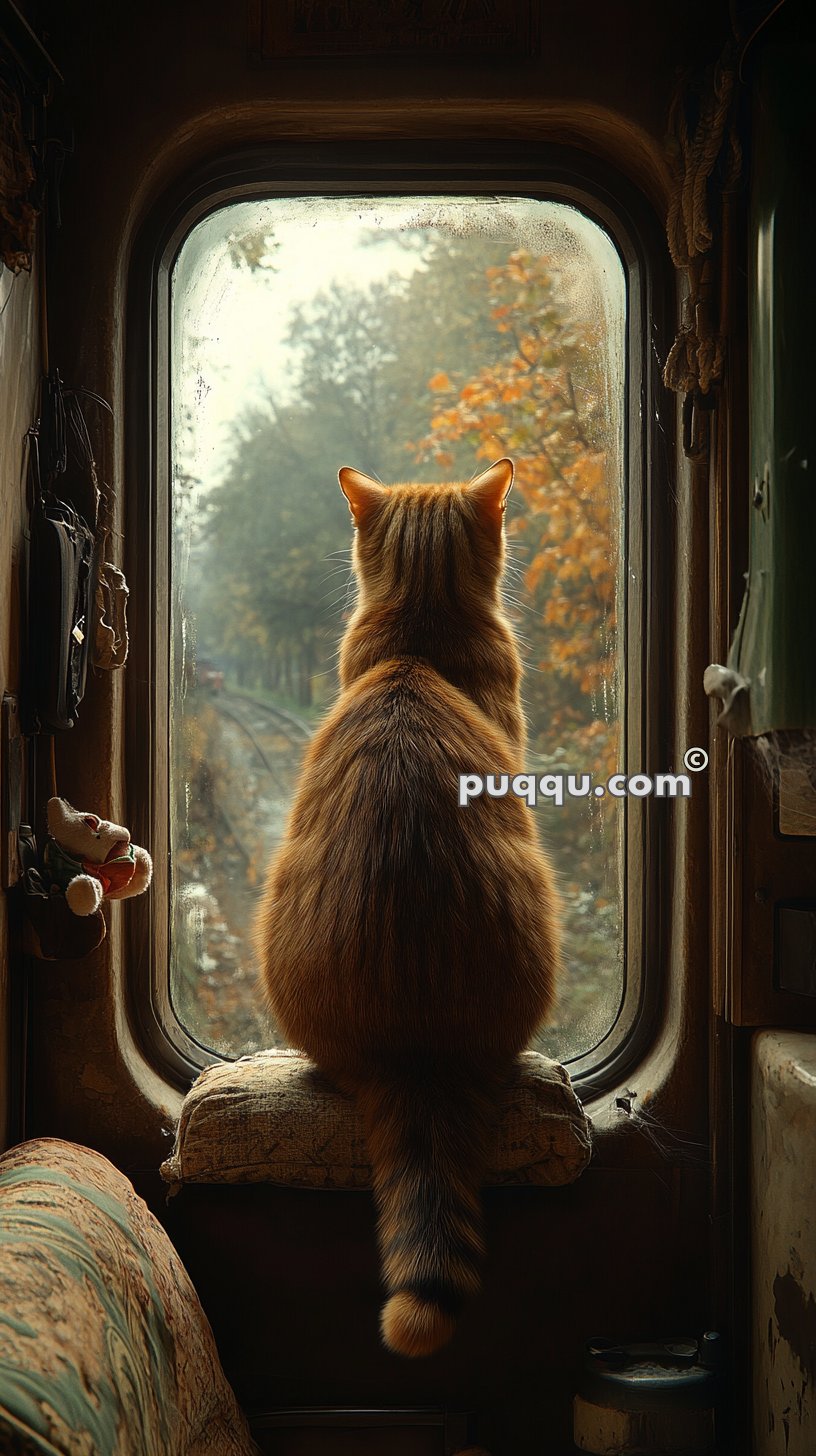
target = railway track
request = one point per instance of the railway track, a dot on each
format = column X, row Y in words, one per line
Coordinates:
column 298, row 729
column 247, row 756
column 250, row 713
column 253, row 717
column 277, row 739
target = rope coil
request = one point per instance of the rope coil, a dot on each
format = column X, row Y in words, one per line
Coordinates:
column 697, row 357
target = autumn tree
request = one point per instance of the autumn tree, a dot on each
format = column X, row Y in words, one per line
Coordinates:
column 543, row 402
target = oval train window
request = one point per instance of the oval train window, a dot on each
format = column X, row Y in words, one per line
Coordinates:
column 416, row 338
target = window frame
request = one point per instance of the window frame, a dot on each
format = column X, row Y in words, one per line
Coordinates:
column 523, row 168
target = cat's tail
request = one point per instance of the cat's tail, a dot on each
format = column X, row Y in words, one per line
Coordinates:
column 428, row 1138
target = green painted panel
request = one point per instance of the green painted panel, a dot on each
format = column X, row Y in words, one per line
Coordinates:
column 775, row 643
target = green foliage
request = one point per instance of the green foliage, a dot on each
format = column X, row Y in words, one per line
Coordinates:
column 269, row 529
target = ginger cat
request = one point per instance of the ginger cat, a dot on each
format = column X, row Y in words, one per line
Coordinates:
column 410, row 946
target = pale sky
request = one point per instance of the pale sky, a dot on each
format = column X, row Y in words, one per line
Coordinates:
column 241, row 317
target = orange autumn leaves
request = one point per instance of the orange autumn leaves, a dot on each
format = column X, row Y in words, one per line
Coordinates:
column 542, row 403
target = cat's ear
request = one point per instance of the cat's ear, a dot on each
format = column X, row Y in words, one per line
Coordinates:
column 362, row 493
column 489, row 491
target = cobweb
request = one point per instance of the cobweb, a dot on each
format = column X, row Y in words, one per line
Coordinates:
column 787, row 759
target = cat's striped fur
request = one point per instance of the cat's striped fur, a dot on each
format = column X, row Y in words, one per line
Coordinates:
column 409, row 946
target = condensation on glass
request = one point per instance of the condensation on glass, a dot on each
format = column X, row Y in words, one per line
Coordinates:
column 416, row 339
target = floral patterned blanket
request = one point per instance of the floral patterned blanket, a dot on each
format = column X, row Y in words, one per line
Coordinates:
column 104, row 1347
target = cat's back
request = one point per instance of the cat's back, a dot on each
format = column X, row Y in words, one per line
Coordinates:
column 391, row 908
column 396, row 742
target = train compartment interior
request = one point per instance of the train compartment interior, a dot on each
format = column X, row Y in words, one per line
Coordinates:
column 242, row 247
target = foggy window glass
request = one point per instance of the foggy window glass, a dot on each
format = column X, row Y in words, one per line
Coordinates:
column 415, row 339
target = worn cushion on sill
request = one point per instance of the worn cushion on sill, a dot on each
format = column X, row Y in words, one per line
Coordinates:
column 272, row 1118
column 104, row 1347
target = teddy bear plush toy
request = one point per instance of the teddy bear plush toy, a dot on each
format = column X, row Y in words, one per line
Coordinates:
column 90, row 859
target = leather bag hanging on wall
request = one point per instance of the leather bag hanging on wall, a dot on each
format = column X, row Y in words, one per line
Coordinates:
column 63, row 562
